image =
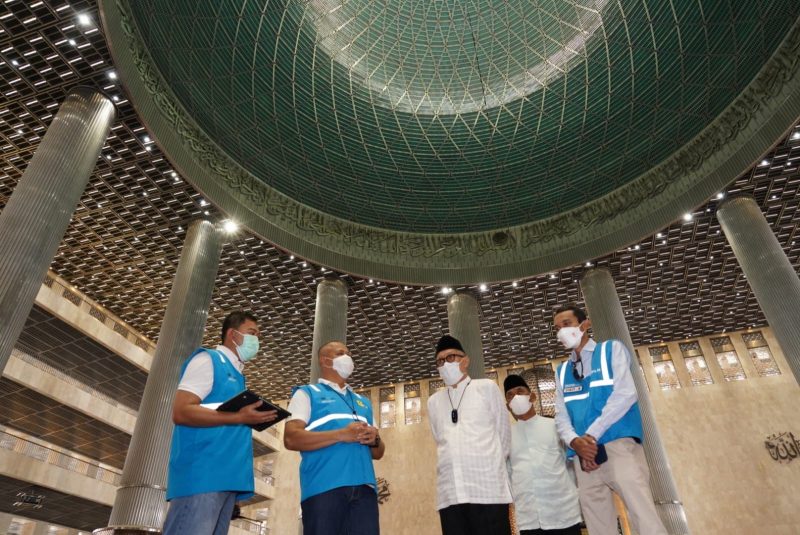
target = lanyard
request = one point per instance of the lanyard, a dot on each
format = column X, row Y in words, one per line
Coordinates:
column 350, row 404
column 454, row 411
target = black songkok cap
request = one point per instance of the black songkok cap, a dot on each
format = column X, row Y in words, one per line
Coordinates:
column 448, row 342
column 513, row 381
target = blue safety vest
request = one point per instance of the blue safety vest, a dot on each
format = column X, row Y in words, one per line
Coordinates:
column 213, row 459
column 585, row 399
column 344, row 464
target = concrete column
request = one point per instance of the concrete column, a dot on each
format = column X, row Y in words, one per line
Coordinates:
column 330, row 318
column 37, row 214
column 769, row 272
column 608, row 321
column 711, row 360
column 463, row 315
column 681, row 371
column 140, row 505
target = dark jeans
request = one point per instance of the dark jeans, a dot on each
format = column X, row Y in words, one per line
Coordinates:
column 475, row 519
column 572, row 530
column 342, row 511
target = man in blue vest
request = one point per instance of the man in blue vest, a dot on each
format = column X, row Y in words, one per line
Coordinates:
column 211, row 462
column 597, row 415
column 332, row 428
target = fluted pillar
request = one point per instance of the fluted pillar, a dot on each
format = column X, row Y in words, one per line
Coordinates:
column 38, row 212
column 769, row 272
column 139, row 506
column 608, row 321
column 464, row 319
column 330, row 318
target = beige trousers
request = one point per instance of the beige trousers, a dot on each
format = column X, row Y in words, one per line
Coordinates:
column 627, row 474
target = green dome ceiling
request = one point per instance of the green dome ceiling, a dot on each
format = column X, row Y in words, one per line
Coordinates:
column 439, row 141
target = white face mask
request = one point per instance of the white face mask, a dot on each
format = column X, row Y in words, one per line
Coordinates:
column 570, row 336
column 343, row 365
column 520, row 404
column 451, row 373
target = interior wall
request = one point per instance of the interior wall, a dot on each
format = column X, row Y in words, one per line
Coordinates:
column 714, row 435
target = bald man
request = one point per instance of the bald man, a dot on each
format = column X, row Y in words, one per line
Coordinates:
column 332, row 428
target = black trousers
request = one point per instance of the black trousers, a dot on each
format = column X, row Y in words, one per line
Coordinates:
column 572, row 530
column 475, row 519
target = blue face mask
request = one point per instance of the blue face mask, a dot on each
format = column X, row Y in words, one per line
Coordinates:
column 249, row 347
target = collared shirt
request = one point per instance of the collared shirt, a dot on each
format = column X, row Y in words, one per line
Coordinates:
column 621, row 399
column 300, row 405
column 198, row 378
column 545, row 496
column 472, row 453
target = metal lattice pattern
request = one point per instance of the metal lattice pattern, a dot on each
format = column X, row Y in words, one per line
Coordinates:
column 124, row 242
column 430, row 116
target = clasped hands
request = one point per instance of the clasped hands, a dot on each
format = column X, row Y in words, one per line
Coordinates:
column 359, row 432
column 586, row 448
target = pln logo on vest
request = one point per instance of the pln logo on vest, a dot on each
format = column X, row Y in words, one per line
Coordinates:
column 360, row 404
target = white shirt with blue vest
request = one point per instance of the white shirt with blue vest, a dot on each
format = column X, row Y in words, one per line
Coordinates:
column 213, row 459
column 326, row 407
column 604, row 404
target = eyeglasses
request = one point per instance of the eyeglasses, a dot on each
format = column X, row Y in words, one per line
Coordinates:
column 449, row 358
column 578, row 375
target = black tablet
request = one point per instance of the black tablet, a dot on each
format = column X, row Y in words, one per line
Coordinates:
column 248, row 397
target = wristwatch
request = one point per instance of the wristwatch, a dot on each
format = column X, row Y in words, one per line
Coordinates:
column 376, row 443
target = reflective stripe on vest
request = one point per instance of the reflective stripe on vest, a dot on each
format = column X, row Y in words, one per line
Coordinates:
column 336, row 416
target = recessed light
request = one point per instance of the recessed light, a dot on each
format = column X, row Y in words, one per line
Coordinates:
column 84, row 19
column 687, row 216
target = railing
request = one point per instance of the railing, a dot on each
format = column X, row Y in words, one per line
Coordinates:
column 98, row 312
column 265, row 476
column 57, row 458
column 251, row 526
column 61, row 375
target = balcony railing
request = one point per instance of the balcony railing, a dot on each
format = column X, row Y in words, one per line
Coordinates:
column 58, row 458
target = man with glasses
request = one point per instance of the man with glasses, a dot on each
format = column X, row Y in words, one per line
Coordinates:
column 597, row 415
column 473, row 437
column 332, row 428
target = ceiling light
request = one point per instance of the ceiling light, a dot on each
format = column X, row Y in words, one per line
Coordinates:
column 482, row 287
column 588, row 264
column 659, row 235
column 446, row 290
column 112, row 75
column 796, row 135
column 721, row 195
column 72, row 42
column 514, row 284
column 230, row 226
column 764, row 162
column 14, row 62
column 687, row 216
column 115, row 98
column 84, row 19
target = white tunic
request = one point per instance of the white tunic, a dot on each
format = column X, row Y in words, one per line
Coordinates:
column 545, row 496
column 472, row 453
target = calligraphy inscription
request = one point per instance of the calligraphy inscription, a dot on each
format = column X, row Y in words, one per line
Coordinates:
column 665, row 181
column 783, row 447
column 383, row 490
